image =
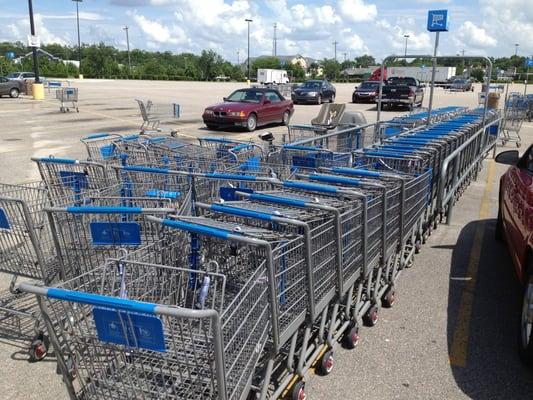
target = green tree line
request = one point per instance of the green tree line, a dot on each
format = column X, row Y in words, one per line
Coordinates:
column 103, row 61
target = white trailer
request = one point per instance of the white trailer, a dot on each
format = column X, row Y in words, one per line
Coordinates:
column 423, row 74
column 266, row 75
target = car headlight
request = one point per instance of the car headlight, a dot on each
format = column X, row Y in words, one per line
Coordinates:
column 312, row 93
column 209, row 112
column 236, row 114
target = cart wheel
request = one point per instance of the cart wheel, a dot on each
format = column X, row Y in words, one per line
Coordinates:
column 39, row 348
column 389, row 298
column 326, row 363
column 68, row 109
column 298, row 391
column 77, row 110
column 352, row 337
column 518, row 144
column 418, row 246
column 371, row 316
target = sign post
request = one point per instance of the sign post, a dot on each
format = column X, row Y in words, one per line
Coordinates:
column 437, row 22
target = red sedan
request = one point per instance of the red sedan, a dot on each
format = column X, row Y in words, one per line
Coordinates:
column 515, row 227
column 249, row 108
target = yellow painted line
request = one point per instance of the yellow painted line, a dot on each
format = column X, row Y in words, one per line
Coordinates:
column 459, row 347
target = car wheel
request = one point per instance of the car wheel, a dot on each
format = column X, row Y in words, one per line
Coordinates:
column 319, row 99
column 332, row 100
column 286, row 118
column 14, row 93
column 525, row 339
column 251, row 123
column 211, row 126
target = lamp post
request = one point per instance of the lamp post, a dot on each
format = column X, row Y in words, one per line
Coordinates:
column 78, row 24
column 406, row 37
column 33, row 48
column 128, row 43
column 248, row 61
column 516, row 49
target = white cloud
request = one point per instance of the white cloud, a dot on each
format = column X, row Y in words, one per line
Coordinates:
column 84, row 15
column 475, row 36
column 358, row 10
column 157, row 32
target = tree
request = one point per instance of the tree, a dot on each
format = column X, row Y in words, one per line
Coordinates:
column 365, row 61
column 313, row 70
column 478, row 74
column 295, row 71
column 209, row 65
column 264, row 62
column 331, row 68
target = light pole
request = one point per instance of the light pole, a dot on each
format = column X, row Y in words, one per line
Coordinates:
column 248, row 61
column 516, row 49
column 78, row 24
column 128, row 42
column 406, row 37
column 33, row 48
column 335, row 43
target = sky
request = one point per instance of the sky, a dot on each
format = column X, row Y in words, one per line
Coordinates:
column 309, row 28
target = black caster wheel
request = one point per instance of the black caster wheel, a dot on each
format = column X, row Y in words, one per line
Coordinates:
column 77, row 110
column 371, row 316
column 298, row 391
column 38, row 348
column 326, row 363
column 351, row 338
column 418, row 246
column 72, row 367
column 389, row 298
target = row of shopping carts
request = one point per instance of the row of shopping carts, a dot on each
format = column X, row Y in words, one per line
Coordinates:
column 220, row 269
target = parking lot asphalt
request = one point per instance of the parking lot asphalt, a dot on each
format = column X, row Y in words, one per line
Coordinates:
column 452, row 332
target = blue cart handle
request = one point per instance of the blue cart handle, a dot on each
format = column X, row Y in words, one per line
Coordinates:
column 310, row 186
column 356, row 172
column 103, row 210
column 136, row 168
column 276, row 200
column 194, row 228
column 101, row 300
column 236, row 177
column 96, row 136
column 334, row 179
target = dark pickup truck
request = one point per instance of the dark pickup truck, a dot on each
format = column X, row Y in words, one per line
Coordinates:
column 402, row 91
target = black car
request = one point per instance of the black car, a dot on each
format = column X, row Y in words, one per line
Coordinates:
column 11, row 88
column 366, row 92
column 314, row 92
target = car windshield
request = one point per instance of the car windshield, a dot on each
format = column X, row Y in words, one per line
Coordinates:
column 311, row 85
column 13, row 75
column 369, row 85
column 246, row 96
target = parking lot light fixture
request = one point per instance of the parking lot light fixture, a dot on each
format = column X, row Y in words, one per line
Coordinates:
column 78, row 24
column 406, row 37
column 248, row 61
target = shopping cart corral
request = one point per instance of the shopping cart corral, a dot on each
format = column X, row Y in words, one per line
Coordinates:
column 224, row 270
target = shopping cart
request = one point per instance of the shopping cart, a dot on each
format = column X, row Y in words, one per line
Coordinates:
column 516, row 111
column 26, row 250
column 152, row 114
column 67, row 95
column 101, row 147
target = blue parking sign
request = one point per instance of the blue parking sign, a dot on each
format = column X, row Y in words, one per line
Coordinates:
column 529, row 62
column 438, row 20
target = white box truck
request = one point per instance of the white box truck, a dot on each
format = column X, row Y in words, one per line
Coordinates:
column 423, row 74
column 266, row 75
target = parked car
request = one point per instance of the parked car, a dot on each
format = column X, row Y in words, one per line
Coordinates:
column 515, row 227
column 402, row 91
column 11, row 88
column 366, row 92
column 462, row 85
column 314, row 92
column 249, row 108
column 21, row 76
